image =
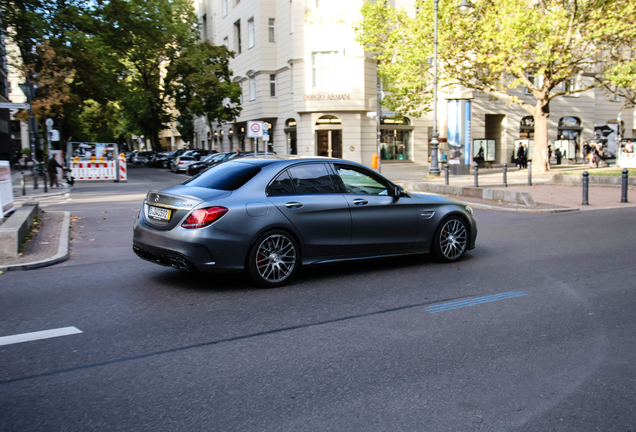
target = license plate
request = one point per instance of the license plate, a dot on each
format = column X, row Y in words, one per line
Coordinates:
column 159, row 213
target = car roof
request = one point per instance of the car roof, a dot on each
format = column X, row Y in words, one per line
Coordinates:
column 286, row 160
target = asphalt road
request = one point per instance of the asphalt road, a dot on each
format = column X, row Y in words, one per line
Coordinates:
column 542, row 339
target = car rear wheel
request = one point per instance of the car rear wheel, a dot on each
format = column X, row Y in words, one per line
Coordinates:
column 273, row 259
column 451, row 239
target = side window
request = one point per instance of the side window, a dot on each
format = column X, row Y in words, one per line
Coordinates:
column 282, row 185
column 312, row 179
column 359, row 182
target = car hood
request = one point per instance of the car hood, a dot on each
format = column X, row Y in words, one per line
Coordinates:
column 433, row 198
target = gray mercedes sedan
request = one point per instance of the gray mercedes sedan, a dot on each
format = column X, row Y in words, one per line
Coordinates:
column 269, row 216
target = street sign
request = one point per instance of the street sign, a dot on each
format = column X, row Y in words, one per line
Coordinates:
column 55, row 134
column 254, row 129
column 49, row 123
column 10, row 105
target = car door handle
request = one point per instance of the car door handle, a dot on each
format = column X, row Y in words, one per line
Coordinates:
column 359, row 201
column 293, row 205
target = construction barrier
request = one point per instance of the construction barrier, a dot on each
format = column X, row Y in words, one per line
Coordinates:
column 123, row 175
column 92, row 170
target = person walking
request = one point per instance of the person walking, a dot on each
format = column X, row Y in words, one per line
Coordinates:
column 594, row 156
column 521, row 153
column 51, row 169
column 586, row 150
column 576, row 151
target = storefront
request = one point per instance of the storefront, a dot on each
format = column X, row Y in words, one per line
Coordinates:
column 569, row 128
column 291, row 136
column 396, row 139
column 329, row 136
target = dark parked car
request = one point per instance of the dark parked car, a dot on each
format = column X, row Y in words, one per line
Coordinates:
column 166, row 160
column 209, row 161
column 269, row 216
column 154, row 161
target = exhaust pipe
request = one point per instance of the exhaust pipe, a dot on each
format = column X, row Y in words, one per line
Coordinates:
column 179, row 264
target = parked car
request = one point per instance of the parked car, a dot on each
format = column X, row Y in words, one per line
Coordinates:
column 154, row 160
column 269, row 216
column 209, row 161
column 141, row 158
column 179, row 163
column 166, row 160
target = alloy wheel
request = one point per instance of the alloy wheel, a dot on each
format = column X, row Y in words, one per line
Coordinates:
column 275, row 258
column 453, row 239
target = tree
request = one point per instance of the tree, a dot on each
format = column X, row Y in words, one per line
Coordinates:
column 203, row 86
column 499, row 45
column 146, row 37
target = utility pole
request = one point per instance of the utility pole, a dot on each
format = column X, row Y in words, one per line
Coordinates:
column 28, row 90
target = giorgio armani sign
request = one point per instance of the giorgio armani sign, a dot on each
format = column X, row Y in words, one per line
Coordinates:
column 317, row 97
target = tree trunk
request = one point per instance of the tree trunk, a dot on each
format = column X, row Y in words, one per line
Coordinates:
column 540, row 157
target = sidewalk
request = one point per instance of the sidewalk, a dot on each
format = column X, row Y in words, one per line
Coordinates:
column 29, row 191
column 49, row 243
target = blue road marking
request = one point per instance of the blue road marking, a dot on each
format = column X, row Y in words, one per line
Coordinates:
column 475, row 301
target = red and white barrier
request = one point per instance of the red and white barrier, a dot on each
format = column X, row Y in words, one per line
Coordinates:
column 85, row 170
column 123, row 174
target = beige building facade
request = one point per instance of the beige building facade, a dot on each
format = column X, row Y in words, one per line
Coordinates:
column 302, row 73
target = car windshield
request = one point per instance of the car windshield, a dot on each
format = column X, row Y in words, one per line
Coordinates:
column 225, row 176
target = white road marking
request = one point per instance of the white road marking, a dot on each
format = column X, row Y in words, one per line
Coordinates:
column 44, row 334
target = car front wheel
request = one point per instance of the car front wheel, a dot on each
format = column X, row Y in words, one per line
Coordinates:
column 273, row 259
column 451, row 239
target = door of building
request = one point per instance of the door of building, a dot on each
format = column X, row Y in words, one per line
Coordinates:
column 329, row 143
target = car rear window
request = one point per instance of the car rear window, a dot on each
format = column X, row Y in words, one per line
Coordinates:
column 186, row 158
column 226, row 176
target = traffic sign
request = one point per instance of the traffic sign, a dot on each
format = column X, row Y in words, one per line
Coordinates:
column 254, row 129
column 49, row 123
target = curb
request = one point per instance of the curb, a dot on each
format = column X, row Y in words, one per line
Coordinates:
column 521, row 210
column 62, row 250
column 28, row 197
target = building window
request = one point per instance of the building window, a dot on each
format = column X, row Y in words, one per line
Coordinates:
column 569, row 85
column 250, row 33
column 241, row 95
column 237, row 37
column 252, row 88
column 272, row 34
column 224, row 7
column 290, row 132
column 533, row 80
column 226, row 42
column 204, row 25
column 395, row 139
column 272, row 85
column 325, row 68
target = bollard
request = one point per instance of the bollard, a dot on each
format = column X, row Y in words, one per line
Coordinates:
column 46, row 181
column 446, row 173
column 476, row 174
column 505, row 172
column 624, row 192
column 529, row 173
column 22, row 183
column 585, row 187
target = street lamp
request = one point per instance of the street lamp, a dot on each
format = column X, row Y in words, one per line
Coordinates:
column 433, row 169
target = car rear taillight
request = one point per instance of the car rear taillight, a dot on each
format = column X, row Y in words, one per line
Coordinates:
column 203, row 217
column 180, row 163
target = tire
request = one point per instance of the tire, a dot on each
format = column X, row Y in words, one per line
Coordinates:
column 451, row 239
column 273, row 259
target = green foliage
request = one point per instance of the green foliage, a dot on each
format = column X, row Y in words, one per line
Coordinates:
column 493, row 48
column 202, row 83
column 185, row 126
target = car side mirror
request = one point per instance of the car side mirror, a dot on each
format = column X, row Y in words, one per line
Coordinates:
column 397, row 191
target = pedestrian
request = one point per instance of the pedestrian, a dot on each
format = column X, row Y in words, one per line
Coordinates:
column 576, row 151
column 558, row 155
column 239, row 152
column 549, row 153
column 51, row 168
column 586, row 150
column 629, row 147
column 595, row 155
column 521, row 153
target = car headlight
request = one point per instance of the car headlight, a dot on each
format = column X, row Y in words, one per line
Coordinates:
column 469, row 209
